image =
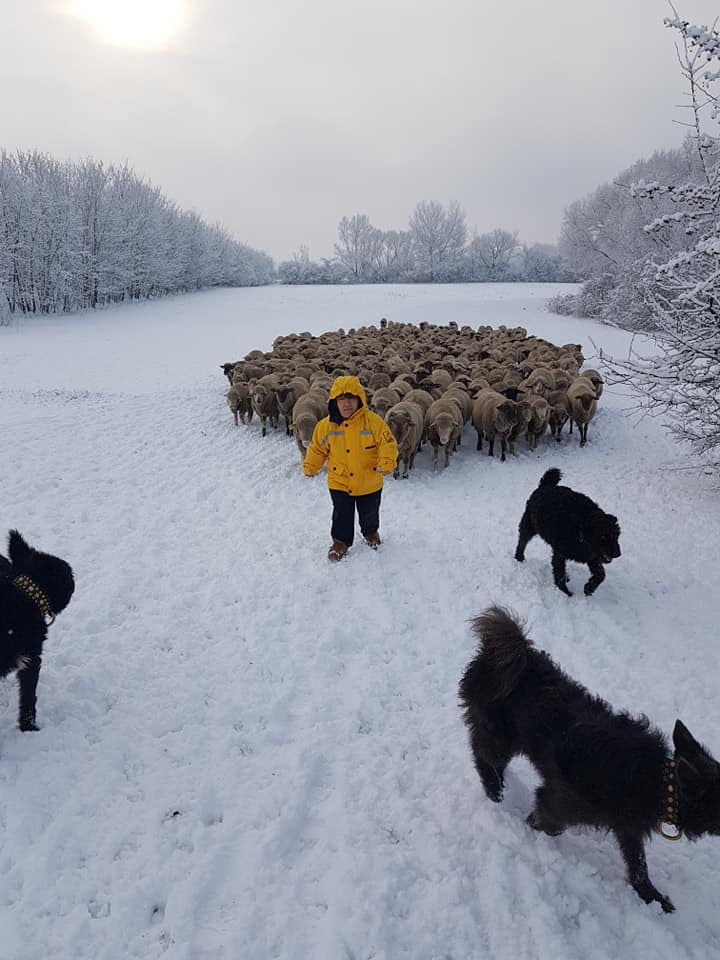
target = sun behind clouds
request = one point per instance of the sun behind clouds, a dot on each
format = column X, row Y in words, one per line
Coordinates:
column 141, row 24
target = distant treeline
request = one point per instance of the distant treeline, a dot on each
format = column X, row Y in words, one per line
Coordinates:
column 616, row 237
column 435, row 248
column 80, row 234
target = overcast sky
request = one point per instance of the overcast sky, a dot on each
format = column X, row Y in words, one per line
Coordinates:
column 278, row 117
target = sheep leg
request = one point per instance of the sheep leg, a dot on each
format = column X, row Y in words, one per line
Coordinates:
column 503, row 448
column 598, row 575
column 235, row 417
column 583, row 434
column 262, row 423
column 447, row 453
column 479, row 440
column 560, row 576
column 491, row 452
column 435, row 457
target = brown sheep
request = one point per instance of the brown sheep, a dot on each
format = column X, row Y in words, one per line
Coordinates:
column 583, row 404
column 523, row 411
column 382, row 399
column 407, row 423
column 494, row 416
column 287, row 395
column 559, row 412
column 308, row 409
column 443, row 426
column 539, row 418
column 595, row 379
column 238, row 399
column 227, row 369
column 264, row 401
column 541, row 381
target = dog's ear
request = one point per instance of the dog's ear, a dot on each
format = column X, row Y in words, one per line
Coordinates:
column 695, row 765
column 685, row 742
column 18, row 550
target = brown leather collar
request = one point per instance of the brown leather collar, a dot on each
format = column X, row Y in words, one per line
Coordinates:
column 32, row 590
column 670, row 803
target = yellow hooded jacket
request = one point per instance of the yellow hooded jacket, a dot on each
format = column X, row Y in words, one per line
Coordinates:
column 358, row 450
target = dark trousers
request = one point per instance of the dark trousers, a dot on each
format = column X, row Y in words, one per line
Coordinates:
column 343, row 517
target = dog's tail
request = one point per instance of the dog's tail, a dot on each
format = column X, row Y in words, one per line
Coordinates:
column 501, row 660
column 551, row 478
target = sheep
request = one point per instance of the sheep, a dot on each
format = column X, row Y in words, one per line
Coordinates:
column 287, row 395
column 238, row 399
column 308, row 409
column 595, row 379
column 559, row 412
column 537, row 425
column 583, row 404
column 264, row 401
column 523, row 410
column 407, row 423
column 382, row 399
column 421, row 397
column 227, row 369
column 494, row 416
column 443, row 426
column 541, row 381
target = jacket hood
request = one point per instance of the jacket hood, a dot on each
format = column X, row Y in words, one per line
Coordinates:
column 347, row 384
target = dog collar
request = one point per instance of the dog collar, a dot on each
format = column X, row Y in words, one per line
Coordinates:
column 670, row 802
column 32, row 590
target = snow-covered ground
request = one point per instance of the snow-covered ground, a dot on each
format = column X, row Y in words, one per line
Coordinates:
column 249, row 753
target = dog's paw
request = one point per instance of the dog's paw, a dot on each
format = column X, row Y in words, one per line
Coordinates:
column 535, row 821
column 28, row 724
column 667, row 904
column 520, row 557
column 589, row 589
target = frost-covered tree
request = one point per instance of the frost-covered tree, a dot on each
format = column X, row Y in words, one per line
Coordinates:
column 490, row 254
column 358, row 247
column 75, row 235
column 680, row 377
column 438, row 238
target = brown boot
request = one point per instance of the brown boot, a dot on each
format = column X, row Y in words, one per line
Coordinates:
column 373, row 540
column 338, row 550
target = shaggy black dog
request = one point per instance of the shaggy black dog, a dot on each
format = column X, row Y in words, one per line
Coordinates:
column 599, row 768
column 34, row 587
column 574, row 526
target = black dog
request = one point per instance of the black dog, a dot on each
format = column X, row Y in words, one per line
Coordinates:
column 599, row 768
column 574, row 526
column 34, row 587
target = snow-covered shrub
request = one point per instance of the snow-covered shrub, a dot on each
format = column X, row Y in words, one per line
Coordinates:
column 680, row 377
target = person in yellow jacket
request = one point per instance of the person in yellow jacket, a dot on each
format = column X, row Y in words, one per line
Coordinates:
column 359, row 449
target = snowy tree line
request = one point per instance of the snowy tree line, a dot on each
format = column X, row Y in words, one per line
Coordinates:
column 82, row 234
column 675, row 288
column 435, row 248
column 613, row 236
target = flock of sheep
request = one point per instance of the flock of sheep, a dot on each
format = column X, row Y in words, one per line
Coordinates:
column 426, row 382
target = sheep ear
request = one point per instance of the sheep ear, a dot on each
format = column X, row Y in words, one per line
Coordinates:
column 18, row 550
